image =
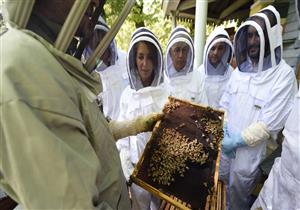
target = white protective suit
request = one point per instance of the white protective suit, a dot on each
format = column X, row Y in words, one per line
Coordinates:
column 255, row 96
column 216, row 79
column 185, row 84
column 114, row 78
column 282, row 188
column 137, row 100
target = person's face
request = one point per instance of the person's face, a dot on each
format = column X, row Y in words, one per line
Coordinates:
column 216, row 53
column 179, row 52
column 253, row 40
column 253, row 43
column 144, row 62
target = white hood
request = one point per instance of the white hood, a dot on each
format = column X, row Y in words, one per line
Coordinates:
column 221, row 71
column 101, row 26
column 274, row 33
column 143, row 34
column 179, row 34
column 273, row 47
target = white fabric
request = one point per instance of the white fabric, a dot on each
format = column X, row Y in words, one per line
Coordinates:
column 113, row 82
column 266, row 96
column 139, row 194
column 274, row 34
column 136, row 102
column 282, row 188
column 188, row 87
column 255, row 134
column 126, row 163
column 214, row 86
column 216, row 79
column 142, row 102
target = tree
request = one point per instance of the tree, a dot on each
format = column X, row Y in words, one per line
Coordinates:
column 146, row 13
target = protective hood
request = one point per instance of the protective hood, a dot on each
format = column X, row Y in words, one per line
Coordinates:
column 101, row 26
column 145, row 35
column 274, row 31
column 270, row 49
column 179, row 34
column 219, row 35
column 17, row 14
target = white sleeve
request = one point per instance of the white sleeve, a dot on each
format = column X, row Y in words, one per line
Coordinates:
column 279, row 105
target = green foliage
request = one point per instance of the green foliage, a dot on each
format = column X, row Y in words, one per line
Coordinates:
column 148, row 13
column 144, row 13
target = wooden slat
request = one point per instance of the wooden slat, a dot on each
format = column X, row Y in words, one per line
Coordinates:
column 171, row 202
column 207, row 203
column 224, row 196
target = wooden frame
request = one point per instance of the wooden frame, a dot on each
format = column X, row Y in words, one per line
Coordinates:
column 215, row 201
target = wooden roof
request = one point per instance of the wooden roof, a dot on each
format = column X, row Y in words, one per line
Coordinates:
column 218, row 10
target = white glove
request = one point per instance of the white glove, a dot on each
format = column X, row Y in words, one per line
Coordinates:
column 255, row 133
column 126, row 163
column 122, row 129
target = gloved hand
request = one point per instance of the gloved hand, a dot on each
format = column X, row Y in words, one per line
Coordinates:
column 255, row 133
column 126, row 163
column 122, row 129
column 250, row 136
column 231, row 142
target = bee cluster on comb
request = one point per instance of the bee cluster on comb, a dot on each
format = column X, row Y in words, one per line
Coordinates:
column 180, row 158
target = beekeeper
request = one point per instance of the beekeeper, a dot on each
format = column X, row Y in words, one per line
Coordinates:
column 112, row 69
column 180, row 79
column 143, row 96
column 282, row 188
column 216, row 68
column 258, row 99
column 57, row 149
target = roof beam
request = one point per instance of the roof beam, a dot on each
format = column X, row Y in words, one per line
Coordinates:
column 192, row 17
column 233, row 7
column 169, row 5
column 188, row 4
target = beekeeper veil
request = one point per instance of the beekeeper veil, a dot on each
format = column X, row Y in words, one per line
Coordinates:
column 274, row 30
column 100, row 30
column 179, row 36
column 220, row 68
column 263, row 27
column 19, row 12
column 144, row 35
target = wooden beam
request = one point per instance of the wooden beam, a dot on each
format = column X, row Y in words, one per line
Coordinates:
column 241, row 15
column 186, row 15
column 187, row 4
column 169, row 5
column 233, row 7
column 192, row 17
